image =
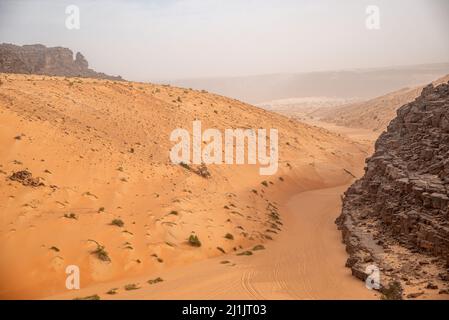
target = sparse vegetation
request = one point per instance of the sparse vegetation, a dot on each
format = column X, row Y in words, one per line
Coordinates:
column 229, row 236
column 132, row 286
column 70, row 215
column 112, row 291
column 258, row 247
column 101, row 252
column 154, row 281
column 174, row 213
column 158, row 259
column 393, row 292
column 185, row 166
column 245, row 253
column 202, row 171
column 92, row 297
column 264, row 183
column 221, row 249
column 55, row 249
column 118, row 222
column 194, row 241
column 101, row 209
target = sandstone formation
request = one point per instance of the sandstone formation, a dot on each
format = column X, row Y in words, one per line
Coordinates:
column 38, row 59
column 397, row 216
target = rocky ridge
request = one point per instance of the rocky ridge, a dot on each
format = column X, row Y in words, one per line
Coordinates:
column 397, row 216
column 39, row 59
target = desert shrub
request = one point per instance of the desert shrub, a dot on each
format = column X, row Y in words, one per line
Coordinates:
column 185, row 166
column 194, row 241
column 202, row 171
column 118, row 222
column 70, row 215
column 154, row 281
column 229, row 236
column 92, row 297
column 101, row 253
column 245, row 253
column 393, row 292
column 112, row 291
column 264, row 183
column 132, row 286
column 258, row 247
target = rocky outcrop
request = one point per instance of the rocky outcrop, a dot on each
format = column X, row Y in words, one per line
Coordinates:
column 38, row 59
column 397, row 216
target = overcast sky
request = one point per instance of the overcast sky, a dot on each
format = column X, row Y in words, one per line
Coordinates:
column 170, row 39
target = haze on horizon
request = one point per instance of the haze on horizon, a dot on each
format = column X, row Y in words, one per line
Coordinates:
column 174, row 39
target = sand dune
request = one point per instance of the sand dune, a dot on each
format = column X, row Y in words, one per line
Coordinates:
column 305, row 262
column 104, row 196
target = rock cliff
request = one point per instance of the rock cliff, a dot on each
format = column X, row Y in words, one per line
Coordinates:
column 39, row 59
column 397, row 216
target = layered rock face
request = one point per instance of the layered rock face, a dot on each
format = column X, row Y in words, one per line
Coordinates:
column 397, row 215
column 38, row 59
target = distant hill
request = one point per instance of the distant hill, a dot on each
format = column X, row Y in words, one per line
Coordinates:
column 374, row 114
column 39, row 59
column 363, row 84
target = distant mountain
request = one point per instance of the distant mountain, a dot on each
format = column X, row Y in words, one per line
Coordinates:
column 374, row 114
column 39, row 59
column 363, row 84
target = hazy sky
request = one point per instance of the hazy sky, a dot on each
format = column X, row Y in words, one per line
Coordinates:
column 169, row 39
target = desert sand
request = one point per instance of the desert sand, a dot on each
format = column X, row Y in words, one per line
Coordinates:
column 305, row 262
column 105, row 197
